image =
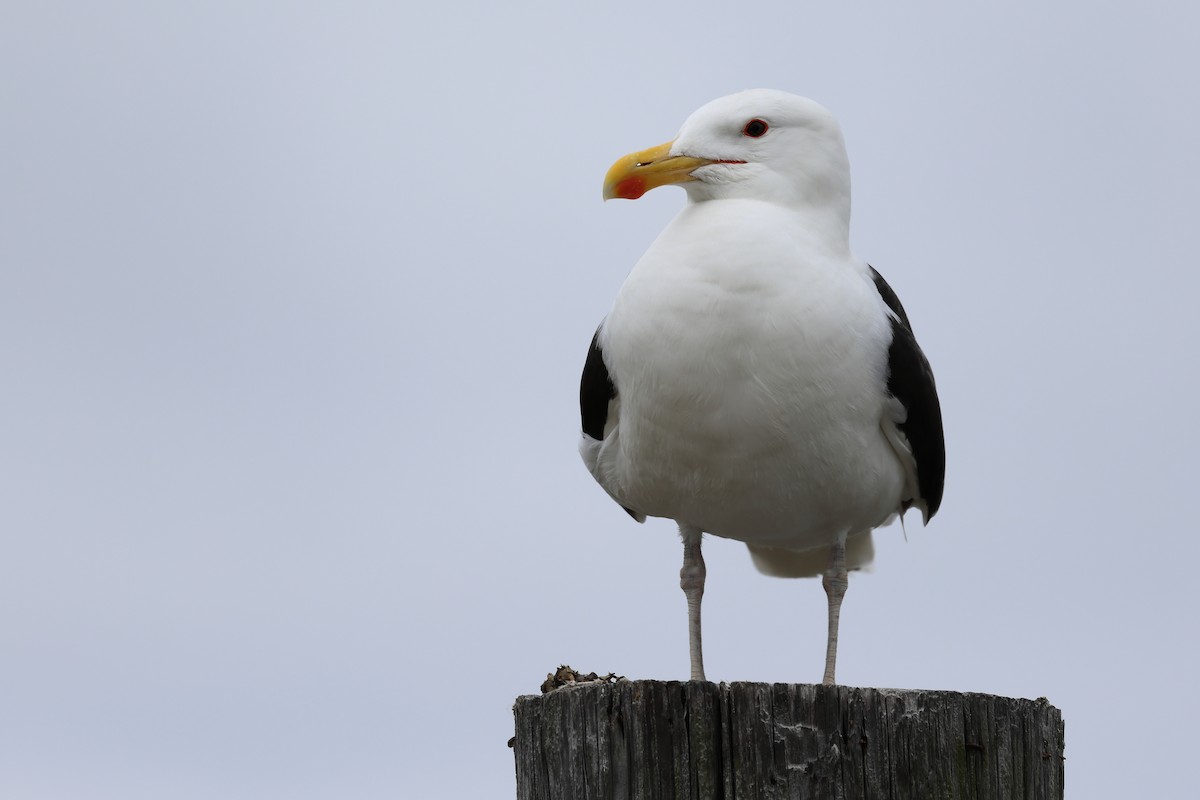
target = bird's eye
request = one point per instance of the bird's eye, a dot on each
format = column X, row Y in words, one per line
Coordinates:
column 754, row 128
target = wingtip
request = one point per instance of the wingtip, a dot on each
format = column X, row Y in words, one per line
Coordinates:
column 921, row 506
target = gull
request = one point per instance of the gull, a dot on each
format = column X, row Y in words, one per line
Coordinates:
column 753, row 379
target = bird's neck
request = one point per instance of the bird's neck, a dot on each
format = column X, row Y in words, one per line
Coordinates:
column 832, row 222
column 824, row 205
column 824, row 223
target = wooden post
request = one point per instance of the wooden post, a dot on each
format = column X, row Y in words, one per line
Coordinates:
column 748, row 741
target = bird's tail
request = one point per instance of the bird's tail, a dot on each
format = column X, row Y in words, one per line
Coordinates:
column 779, row 562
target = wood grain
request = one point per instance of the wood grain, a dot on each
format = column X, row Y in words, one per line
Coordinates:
column 741, row 741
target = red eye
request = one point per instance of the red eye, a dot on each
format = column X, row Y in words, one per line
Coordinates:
column 754, row 128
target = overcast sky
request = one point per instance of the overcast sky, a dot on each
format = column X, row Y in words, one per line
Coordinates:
column 293, row 304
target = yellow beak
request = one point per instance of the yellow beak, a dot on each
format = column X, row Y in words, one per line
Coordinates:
column 637, row 173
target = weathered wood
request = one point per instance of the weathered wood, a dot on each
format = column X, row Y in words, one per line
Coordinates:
column 637, row 740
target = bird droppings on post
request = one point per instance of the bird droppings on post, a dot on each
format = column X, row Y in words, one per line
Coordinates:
column 565, row 676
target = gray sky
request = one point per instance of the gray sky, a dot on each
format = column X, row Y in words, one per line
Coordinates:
column 293, row 304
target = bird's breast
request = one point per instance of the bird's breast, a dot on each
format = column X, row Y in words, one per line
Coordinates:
column 751, row 376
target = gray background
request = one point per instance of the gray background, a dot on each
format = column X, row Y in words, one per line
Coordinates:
column 293, row 302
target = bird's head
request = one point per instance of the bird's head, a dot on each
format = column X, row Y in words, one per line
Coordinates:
column 760, row 144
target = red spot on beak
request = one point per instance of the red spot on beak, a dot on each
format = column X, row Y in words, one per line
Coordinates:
column 631, row 188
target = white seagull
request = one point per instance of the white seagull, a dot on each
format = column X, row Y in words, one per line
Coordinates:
column 754, row 380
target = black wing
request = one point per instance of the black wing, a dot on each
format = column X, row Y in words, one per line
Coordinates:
column 596, row 391
column 910, row 380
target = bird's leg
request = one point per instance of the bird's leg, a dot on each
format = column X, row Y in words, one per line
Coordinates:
column 835, row 583
column 691, row 580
